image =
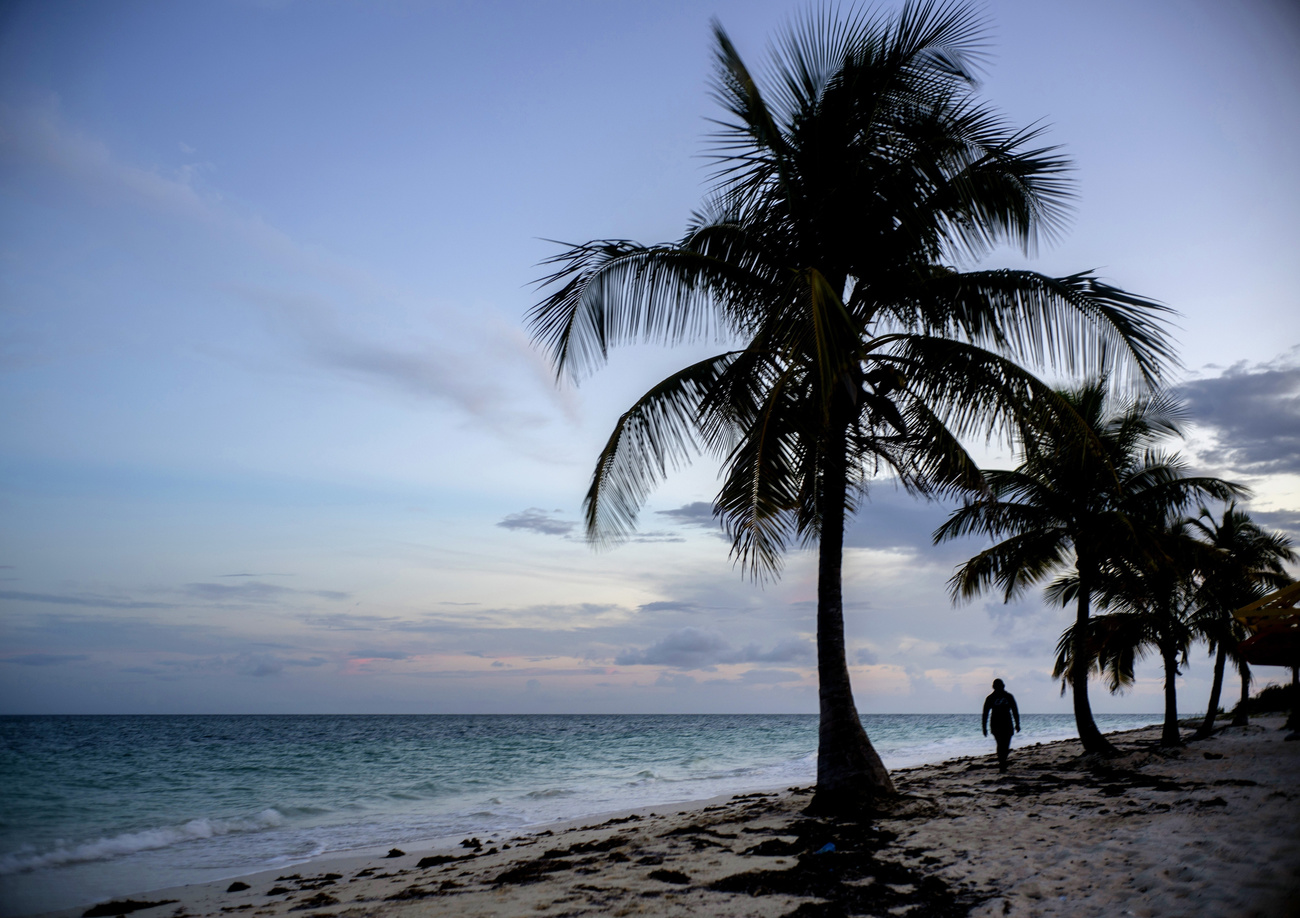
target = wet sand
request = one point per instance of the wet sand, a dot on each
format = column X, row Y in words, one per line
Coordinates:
column 1212, row 830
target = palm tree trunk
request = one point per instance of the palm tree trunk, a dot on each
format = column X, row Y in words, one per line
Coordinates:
column 1241, row 718
column 850, row 774
column 1293, row 721
column 1169, row 736
column 1216, row 688
column 1093, row 740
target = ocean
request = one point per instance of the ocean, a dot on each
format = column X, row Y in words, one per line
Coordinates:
column 97, row 807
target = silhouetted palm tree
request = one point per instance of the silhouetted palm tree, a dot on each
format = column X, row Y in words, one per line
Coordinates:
column 1077, row 502
column 847, row 184
column 1247, row 563
column 1151, row 588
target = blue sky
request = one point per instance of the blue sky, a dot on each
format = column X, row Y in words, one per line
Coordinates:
column 275, row 438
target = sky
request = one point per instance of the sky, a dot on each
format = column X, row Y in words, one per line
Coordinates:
column 273, row 437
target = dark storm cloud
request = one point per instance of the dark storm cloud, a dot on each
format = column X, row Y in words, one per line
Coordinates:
column 695, row 648
column 44, row 659
column 1255, row 413
column 535, row 519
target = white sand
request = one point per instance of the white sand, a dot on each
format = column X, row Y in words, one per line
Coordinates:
column 1210, row 830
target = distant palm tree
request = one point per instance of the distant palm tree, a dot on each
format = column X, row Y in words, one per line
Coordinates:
column 1152, row 589
column 847, row 186
column 1076, row 503
column 1247, row 563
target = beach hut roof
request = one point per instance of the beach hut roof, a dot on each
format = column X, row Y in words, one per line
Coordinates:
column 1274, row 622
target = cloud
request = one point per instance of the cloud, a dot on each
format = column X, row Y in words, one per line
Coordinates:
column 688, row 648
column 1254, row 413
column 467, row 375
column 263, row 664
column 1287, row 521
column 346, row 621
column 379, row 655
column 253, row 591
column 535, row 519
column 787, row 651
column 44, row 659
column 866, row 657
column 699, row 513
column 668, row 607
column 967, row 651
column 675, row 680
column 89, row 600
column 770, row 676
column 890, row 519
column 695, row 648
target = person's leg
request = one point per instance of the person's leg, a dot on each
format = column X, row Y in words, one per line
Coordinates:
column 1004, row 749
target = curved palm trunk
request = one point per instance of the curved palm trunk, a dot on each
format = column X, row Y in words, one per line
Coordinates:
column 1216, row 689
column 1241, row 718
column 1093, row 740
column 1169, row 735
column 850, row 774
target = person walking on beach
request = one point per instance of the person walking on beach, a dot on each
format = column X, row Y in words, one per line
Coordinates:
column 1001, row 704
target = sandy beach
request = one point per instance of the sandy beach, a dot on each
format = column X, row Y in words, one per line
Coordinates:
column 1212, row 830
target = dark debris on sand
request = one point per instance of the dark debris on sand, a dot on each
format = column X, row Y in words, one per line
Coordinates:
column 837, row 863
column 122, row 907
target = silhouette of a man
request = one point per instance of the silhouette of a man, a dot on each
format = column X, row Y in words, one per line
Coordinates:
column 999, row 712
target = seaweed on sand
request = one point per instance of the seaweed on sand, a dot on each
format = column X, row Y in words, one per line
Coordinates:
column 122, row 907
column 837, row 865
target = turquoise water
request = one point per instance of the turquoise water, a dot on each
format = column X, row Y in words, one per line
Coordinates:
column 106, row 806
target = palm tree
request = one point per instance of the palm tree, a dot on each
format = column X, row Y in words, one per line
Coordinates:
column 846, row 186
column 1248, row 562
column 1077, row 503
column 1152, row 587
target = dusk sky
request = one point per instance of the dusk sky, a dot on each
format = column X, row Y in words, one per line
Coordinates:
column 274, row 438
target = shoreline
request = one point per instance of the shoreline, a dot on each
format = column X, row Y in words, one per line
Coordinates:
column 1212, row 829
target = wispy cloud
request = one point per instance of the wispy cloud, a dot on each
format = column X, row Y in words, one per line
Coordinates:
column 469, row 374
column 254, row 591
column 699, row 513
column 535, row 519
column 696, row 648
column 87, row 600
column 44, row 659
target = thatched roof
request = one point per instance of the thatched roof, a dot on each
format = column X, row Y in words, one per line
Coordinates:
column 1274, row 622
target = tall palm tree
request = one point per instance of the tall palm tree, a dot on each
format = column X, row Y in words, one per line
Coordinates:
column 1076, row 503
column 847, row 184
column 1247, row 563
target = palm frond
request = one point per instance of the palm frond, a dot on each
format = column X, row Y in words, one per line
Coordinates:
column 657, row 434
